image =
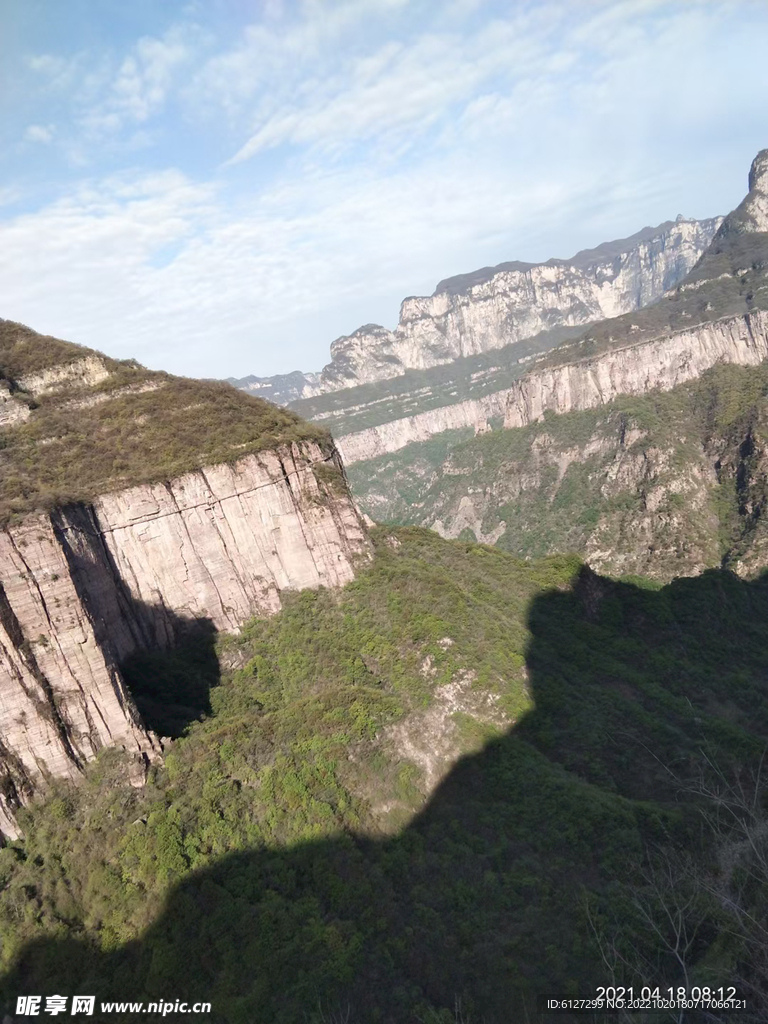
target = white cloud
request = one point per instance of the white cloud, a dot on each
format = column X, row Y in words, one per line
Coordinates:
column 39, row 133
column 139, row 88
column 410, row 154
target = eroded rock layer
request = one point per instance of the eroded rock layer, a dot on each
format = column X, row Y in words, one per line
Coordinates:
column 136, row 507
column 499, row 306
column 662, row 363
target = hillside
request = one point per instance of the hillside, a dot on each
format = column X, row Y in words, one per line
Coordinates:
column 661, row 485
column 79, row 424
column 318, row 848
column 138, row 509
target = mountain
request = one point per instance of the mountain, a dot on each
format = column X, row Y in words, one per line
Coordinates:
column 137, row 508
column 511, row 488
column 462, row 781
column 661, row 485
column 403, row 778
column 501, row 306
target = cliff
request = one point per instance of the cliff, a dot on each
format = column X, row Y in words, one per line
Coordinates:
column 129, row 517
column 503, row 305
column 514, row 488
column 661, row 485
column 634, row 369
column 717, row 313
column 512, row 302
column 662, row 363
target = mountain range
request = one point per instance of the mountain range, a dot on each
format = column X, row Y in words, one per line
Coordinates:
column 259, row 752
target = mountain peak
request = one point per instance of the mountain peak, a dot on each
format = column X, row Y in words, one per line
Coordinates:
column 758, row 173
column 751, row 214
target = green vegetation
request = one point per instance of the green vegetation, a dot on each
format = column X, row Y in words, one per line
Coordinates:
column 415, row 391
column 391, row 488
column 24, row 351
column 83, row 441
column 664, row 484
column 285, row 865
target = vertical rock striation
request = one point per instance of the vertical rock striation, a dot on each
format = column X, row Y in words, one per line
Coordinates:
column 662, row 363
column 85, row 585
column 498, row 306
column 61, row 695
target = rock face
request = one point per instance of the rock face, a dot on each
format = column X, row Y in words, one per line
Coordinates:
column 632, row 370
column 86, row 372
column 641, row 351
column 663, row 363
column 61, row 696
column 577, row 467
column 221, row 544
column 466, row 316
column 498, row 306
column 83, row 587
column 91, row 580
column 665, row 484
column 396, row 434
column 752, row 214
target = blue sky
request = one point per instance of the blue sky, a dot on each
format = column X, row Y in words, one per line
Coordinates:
column 222, row 187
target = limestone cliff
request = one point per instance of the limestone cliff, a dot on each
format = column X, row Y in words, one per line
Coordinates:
column 209, row 527
column 665, row 484
column 716, row 314
column 499, row 306
column 515, row 487
column 662, row 363
column 634, row 369
column 506, row 304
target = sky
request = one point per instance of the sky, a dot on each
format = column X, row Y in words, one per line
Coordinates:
column 222, row 187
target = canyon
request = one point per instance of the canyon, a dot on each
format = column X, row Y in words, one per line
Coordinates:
column 630, row 498
column 661, row 363
column 616, row 322
column 137, row 507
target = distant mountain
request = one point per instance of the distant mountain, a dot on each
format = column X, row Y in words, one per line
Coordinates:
column 595, row 457
column 281, row 389
column 495, row 307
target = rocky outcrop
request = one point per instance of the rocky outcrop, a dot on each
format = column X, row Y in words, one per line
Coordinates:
column 517, row 301
column 85, row 585
column 730, row 276
column 221, row 543
column 80, row 372
column 751, row 215
column 12, row 412
column 502, row 305
column 632, row 370
column 61, row 695
column 391, row 437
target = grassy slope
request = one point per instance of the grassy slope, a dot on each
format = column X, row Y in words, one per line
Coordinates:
column 254, row 872
column 68, row 452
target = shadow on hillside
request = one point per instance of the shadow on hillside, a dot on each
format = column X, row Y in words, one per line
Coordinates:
column 476, row 906
column 172, row 687
column 168, row 660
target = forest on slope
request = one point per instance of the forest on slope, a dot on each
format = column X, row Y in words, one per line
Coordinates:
column 662, row 484
column 597, row 814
